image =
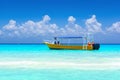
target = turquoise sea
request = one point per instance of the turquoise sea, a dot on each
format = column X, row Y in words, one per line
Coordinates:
column 37, row 62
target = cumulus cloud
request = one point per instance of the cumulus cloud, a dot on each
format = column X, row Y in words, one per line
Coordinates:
column 46, row 18
column 114, row 28
column 71, row 19
column 44, row 28
column 72, row 28
column 11, row 25
column 93, row 25
column 30, row 28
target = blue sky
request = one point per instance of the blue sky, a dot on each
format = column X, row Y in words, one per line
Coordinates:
column 61, row 17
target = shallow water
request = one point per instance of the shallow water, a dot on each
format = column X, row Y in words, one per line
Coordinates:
column 37, row 62
column 45, row 74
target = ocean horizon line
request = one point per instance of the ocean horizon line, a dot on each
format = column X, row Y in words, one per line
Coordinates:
column 43, row 43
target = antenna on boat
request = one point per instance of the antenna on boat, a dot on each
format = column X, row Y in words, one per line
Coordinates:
column 90, row 37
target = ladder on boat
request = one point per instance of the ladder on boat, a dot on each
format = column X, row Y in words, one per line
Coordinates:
column 86, row 39
column 84, row 43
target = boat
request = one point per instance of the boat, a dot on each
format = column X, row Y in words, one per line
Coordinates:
column 87, row 44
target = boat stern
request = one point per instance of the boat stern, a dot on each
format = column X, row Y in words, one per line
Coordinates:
column 96, row 46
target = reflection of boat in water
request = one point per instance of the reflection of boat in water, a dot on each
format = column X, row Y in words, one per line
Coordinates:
column 86, row 45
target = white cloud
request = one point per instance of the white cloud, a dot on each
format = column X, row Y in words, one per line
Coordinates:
column 73, row 29
column 114, row 28
column 30, row 28
column 46, row 18
column 71, row 19
column 11, row 25
column 70, row 29
column 44, row 28
column 93, row 25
